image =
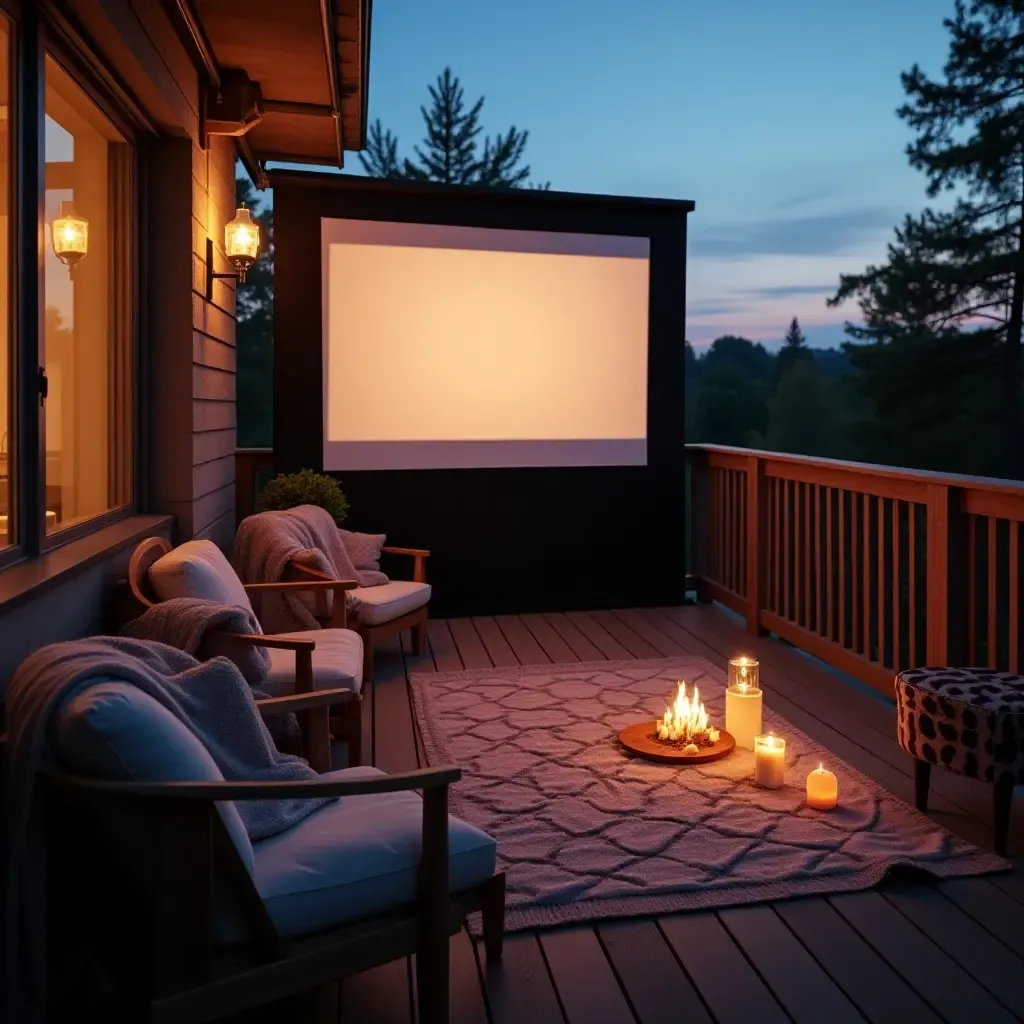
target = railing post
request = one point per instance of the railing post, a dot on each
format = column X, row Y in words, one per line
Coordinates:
column 757, row 544
column 698, row 524
column 946, row 575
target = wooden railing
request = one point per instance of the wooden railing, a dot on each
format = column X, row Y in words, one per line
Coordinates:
column 870, row 568
column 253, row 467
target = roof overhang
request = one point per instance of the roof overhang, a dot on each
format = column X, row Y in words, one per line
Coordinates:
column 310, row 59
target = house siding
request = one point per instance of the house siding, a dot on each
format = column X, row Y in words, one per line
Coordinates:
column 187, row 365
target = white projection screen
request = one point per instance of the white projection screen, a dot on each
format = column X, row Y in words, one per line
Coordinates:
column 470, row 348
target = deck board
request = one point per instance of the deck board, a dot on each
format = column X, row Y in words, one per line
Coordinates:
column 586, row 984
column 869, row 956
column 584, row 648
column 655, row 982
column 976, row 950
column 933, row 973
column 849, row 960
column 550, row 641
column 729, row 984
column 797, row 979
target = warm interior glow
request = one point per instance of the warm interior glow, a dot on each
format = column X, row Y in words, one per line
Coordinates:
column 70, row 235
column 242, row 237
column 686, row 720
column 496, row 347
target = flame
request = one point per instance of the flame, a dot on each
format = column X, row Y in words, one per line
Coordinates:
column 743, row 683
column 685, row 720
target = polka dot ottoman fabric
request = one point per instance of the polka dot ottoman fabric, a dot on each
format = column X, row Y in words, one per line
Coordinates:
column 969, row 720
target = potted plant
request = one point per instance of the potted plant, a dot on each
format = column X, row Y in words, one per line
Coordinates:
column 286, row 490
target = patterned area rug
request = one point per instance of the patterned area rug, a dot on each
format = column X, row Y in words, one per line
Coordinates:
column 587, row 832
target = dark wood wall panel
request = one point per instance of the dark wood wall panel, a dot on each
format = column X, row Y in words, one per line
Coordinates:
column 503, row 540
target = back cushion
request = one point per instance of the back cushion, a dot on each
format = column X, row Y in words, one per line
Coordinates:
column 114, row 730
column 198, row 568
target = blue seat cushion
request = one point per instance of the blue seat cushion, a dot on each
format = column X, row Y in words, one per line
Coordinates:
column 357, row 857
column 114, row 730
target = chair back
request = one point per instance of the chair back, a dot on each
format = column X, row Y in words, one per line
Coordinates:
column 149, row 551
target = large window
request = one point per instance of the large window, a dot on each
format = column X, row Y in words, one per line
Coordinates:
column 87, row 309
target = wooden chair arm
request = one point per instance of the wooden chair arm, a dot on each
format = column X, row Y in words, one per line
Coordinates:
column 260, row 640
column 337, row 618
column 323, row 583
column 425, row 778
column 305, row 701
column 419, row 560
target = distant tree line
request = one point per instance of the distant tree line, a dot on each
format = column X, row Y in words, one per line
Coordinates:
column 798, row 400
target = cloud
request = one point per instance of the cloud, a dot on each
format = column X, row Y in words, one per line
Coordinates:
column 816, row 235
column 712, row 308
column 789, row 291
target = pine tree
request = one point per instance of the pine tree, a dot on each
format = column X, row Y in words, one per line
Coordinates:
column 254, row 308
column 794, row 350
column 954, row 279
column 451, row 151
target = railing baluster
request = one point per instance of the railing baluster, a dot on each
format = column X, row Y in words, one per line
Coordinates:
column 972, row 597
column 1014, row 612
column 777, row 546
column 866, row 571
column 912, row 578
column 855, row 603
column 785, row 549
column 819, row 590
column 880, row 602
column 993, row 597
column 807, row 556
column 843, row 635
column 896, row 588
column 830, row 608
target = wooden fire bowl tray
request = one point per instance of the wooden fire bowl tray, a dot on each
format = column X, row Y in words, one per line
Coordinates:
column 640, row 740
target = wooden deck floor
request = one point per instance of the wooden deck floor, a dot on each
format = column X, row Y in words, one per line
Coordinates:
column 952, row 951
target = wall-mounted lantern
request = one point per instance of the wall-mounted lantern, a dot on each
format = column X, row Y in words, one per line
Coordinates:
column 242, row 245
column 70, row 235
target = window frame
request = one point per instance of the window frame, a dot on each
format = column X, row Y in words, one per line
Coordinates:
column 35, row 35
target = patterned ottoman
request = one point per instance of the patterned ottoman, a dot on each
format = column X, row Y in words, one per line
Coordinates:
column 969, row 720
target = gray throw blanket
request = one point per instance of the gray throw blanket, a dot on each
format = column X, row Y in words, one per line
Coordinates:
column 307, row 534
column 211, row 698
column 184, row 622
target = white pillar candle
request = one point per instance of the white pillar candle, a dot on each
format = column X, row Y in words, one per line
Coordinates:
column 822, row 789
column 769, row 761
column 743, row 715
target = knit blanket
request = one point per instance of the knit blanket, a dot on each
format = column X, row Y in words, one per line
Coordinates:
column 211, row 698
column 186, row 623
column 307, row 534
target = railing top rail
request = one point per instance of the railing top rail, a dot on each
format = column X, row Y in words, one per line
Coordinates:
column 924, row 476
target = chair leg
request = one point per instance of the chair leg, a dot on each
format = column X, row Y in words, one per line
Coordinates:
column 1002, row 791
column 354, row 732
column 922, row 776
column 419, row 637
column 367, row 658
column 493, row 913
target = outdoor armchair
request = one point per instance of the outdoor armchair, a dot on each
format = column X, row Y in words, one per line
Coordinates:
column 300, row 662
column 378, row 874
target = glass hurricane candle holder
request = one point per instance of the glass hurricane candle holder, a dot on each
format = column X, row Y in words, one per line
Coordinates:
column 744, row 673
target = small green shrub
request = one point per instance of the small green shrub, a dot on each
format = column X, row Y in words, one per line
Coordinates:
column 304, row 488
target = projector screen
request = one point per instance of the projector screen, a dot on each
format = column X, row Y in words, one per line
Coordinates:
column 450, row 347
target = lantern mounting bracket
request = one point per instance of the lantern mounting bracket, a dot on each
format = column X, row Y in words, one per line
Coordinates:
column 212, row 275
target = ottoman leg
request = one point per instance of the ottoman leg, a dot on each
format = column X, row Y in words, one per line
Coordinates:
column 922, row 776
column 1002, row 791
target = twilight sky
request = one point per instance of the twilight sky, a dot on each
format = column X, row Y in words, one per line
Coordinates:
column 777, row 119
